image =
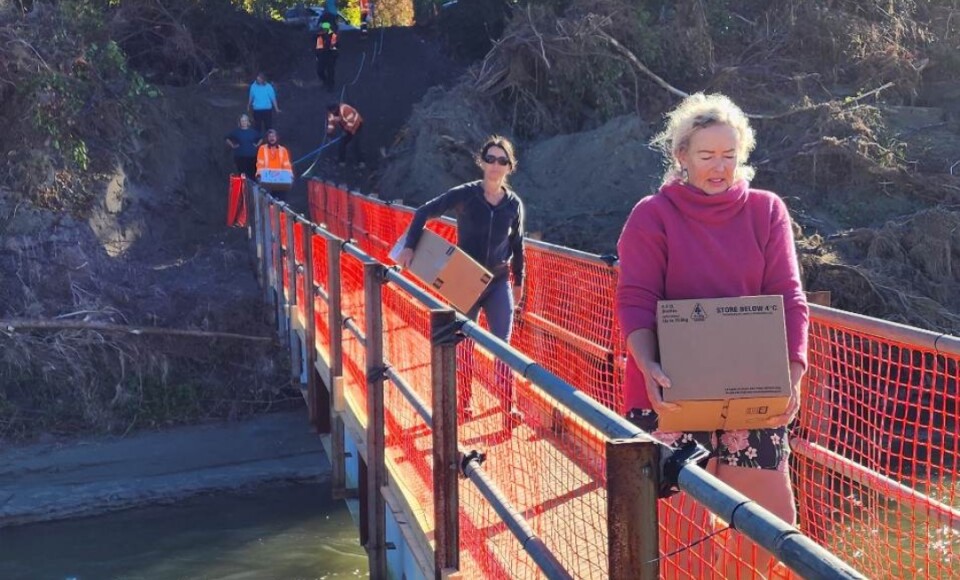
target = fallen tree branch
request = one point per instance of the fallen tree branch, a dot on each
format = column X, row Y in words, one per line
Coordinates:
column 628, row 54
column 14, row 325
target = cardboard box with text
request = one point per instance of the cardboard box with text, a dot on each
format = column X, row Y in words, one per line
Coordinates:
column 447, row 269
column 727, row 362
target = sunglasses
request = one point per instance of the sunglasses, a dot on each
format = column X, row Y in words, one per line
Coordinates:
column 491, row 159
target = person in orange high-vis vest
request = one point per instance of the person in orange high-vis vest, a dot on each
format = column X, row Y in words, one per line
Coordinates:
column 275, row 157
column 347, row 118
column 326, row 52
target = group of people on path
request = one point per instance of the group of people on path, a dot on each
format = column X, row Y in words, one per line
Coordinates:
column 256, row 142
column 706, row 233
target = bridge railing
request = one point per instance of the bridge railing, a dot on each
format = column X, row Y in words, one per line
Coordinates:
column 575, row 483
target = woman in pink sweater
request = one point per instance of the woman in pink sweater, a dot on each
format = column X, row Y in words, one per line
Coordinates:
column 707, row 234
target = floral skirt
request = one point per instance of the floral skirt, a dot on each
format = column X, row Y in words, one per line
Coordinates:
column 753, row 448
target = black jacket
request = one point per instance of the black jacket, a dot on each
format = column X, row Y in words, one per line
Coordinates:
column 490, row 235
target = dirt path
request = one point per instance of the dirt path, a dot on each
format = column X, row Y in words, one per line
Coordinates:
column 383, row 77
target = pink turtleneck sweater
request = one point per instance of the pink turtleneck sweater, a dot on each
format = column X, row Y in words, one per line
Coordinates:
column 682, row 243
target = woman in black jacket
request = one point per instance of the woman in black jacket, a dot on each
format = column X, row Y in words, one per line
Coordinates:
column 490, row 230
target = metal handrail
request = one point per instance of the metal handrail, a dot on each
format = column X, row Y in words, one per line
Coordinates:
column 939, row 342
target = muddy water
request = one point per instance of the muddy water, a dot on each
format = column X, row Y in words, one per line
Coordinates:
column 278, row 532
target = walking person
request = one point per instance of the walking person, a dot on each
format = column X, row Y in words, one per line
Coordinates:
column 274, row 158
column 263, row 102
column 244, row 141
column 490, row 225
column 349, row 120
column 326, row 53
column 708, row 234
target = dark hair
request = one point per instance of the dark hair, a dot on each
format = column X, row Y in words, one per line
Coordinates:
column 334, row 108
column 501, row 142
column 274, row 131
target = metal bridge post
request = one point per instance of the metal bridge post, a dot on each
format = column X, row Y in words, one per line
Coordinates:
column 446, row 459
column 348, row 227
column 248, row 200
column 633, row 473
column 282, row 321
column 255, row 221
column 266, row 249
column 335, row 325
column 376, row 466
column 318, row 400
column 296, row 360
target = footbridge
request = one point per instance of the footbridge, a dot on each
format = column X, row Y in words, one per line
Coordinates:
column 574, row 490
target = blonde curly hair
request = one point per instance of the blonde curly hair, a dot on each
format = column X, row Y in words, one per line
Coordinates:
column 699, row 111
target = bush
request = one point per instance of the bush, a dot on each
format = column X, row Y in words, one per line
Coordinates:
column 393, row 13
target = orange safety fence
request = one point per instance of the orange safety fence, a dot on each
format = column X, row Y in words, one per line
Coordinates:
column 298, row 241
column 409, row 443
column 354, row 353
column 875, row 448
column 321, row 308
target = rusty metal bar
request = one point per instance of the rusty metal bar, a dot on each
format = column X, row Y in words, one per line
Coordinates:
column 446, row 459
column 318, row 400
column 296, row 362
column 338, row 404
column 376, row 436
column 266, row 249
column 277, row 270
column 633, row 528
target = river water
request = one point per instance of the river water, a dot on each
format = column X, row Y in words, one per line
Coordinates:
column 286, row 532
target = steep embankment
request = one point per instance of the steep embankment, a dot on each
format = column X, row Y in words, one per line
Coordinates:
column 133, row 232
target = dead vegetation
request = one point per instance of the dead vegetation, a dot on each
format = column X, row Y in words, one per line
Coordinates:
column 79, row 83
column 79, row 374
column 85, row 125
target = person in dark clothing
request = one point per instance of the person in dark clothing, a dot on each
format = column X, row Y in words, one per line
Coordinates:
column 328, row 17
column 326, row 52
column 244, row 141
column 490, row 223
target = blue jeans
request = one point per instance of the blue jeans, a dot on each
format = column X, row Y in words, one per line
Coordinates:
column 497, row 304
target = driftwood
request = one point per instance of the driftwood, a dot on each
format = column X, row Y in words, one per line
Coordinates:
column 14, row 325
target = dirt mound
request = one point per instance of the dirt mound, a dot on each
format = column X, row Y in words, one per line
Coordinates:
column 905, row 271
column 579, row 188
column 435, row 150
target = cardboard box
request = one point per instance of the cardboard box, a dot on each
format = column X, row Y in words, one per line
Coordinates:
column 447, row 269
column 727, row 362
column 276, row 179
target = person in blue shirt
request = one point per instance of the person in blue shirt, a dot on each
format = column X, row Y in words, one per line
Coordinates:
column 263, row 102
column 244, row 141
